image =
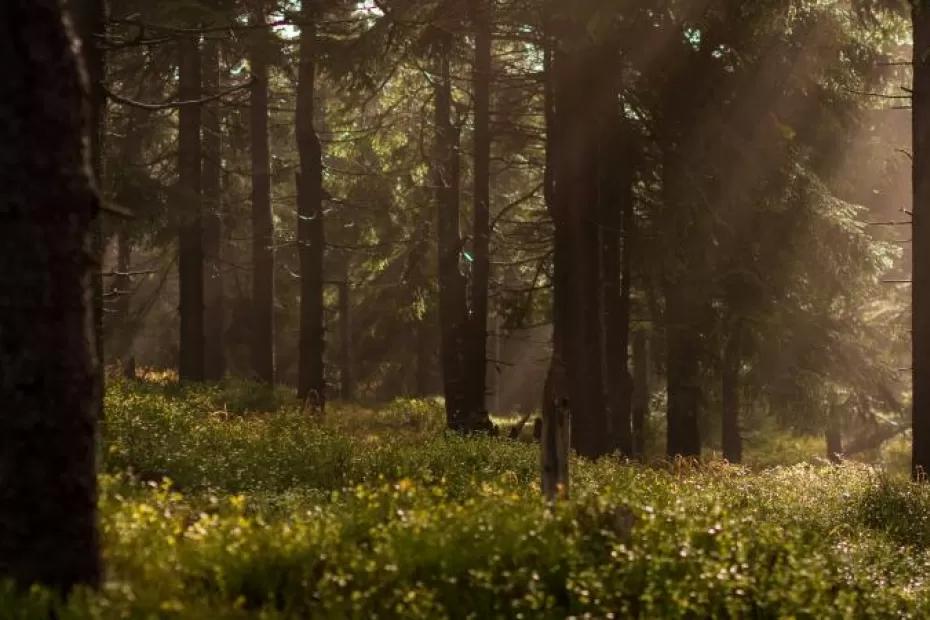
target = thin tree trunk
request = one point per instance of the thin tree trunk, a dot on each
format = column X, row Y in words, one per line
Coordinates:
column 190, row 256
column 920, row 289
column 214, row 298
column 452, row 285
column 640, row 394
column 834, row 435
column 732, row 440
column 126, row 191
column 478, row 338
column 48, row 351
column 310, row 225
column 262, row 336
column 346, row 376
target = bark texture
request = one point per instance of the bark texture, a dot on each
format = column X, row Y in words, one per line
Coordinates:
column 480, row 11
column 310, row 226
column 190, row 237
column 452, row 285
column 262, row 336
column 48, row 353
column 214, row 298
column 574, row 140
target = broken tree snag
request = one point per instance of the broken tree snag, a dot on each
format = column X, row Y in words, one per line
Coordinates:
column 556, row 439
column 555, row 446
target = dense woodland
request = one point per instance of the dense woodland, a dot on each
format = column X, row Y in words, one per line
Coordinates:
column 302, row 300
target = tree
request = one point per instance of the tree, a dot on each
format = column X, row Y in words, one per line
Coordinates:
column 214, row 299
column 311, row 237
column 582, row 107
column 920, row 461
column 48, row 208
column 190, row 237
column 263, row 271
column 477, row 340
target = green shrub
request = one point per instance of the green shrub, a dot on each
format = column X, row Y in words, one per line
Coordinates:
column 282, row 515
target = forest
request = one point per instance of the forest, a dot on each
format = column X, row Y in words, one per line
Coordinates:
column 464, row 309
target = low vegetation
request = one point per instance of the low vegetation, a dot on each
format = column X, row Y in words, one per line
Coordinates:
column 228, row 502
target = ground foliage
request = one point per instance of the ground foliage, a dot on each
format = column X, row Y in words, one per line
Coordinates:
column 228, row 502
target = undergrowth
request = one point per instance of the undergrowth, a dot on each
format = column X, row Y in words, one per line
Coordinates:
column 229, row 502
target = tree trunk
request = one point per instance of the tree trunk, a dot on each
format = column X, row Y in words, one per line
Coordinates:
column 346, row 376
column 640, row 394
column 480, row 11
column 732, row 440
column 616, row 215
column 190, row 255
column 682, row 305
column 310, row 229
column 452, row 286
column 214, row 298
column 262, row 336
column 48, row 351
column 920, row 288
column 834, row 434
column 574, row 141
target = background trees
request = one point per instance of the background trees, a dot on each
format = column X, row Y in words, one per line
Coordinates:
column 660, row 173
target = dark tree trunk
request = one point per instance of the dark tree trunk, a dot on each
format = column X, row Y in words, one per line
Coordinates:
column 616, row 215
column 921, row 244
column 310, row 229
column 478, row 319
column 48, row 353
column 730, row 395
column 90, row 18
column 123, row 329
column 683, row 370
column 214, row 299
column 190, row 239
column 346, row 376
column 640, row 394
column 426, row 380
column 682, row 306
column 452, row 285
column 574, row 142
column 262, row 336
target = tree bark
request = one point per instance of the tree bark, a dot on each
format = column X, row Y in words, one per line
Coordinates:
column 452, row 285
column 682, row 306
column 480, row 11
column 640, row 394
column 310, row 225
column 616, row 215
column 214, row 297
column 48, row 351
column 262, row 336
column 920, row 289
column 574, row 142
column 346, row 376
column 190, row 238
column 732, row 439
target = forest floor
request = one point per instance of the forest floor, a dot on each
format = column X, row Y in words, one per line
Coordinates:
column 227, row 502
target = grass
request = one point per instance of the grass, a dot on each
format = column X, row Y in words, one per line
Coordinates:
column 228, row 502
